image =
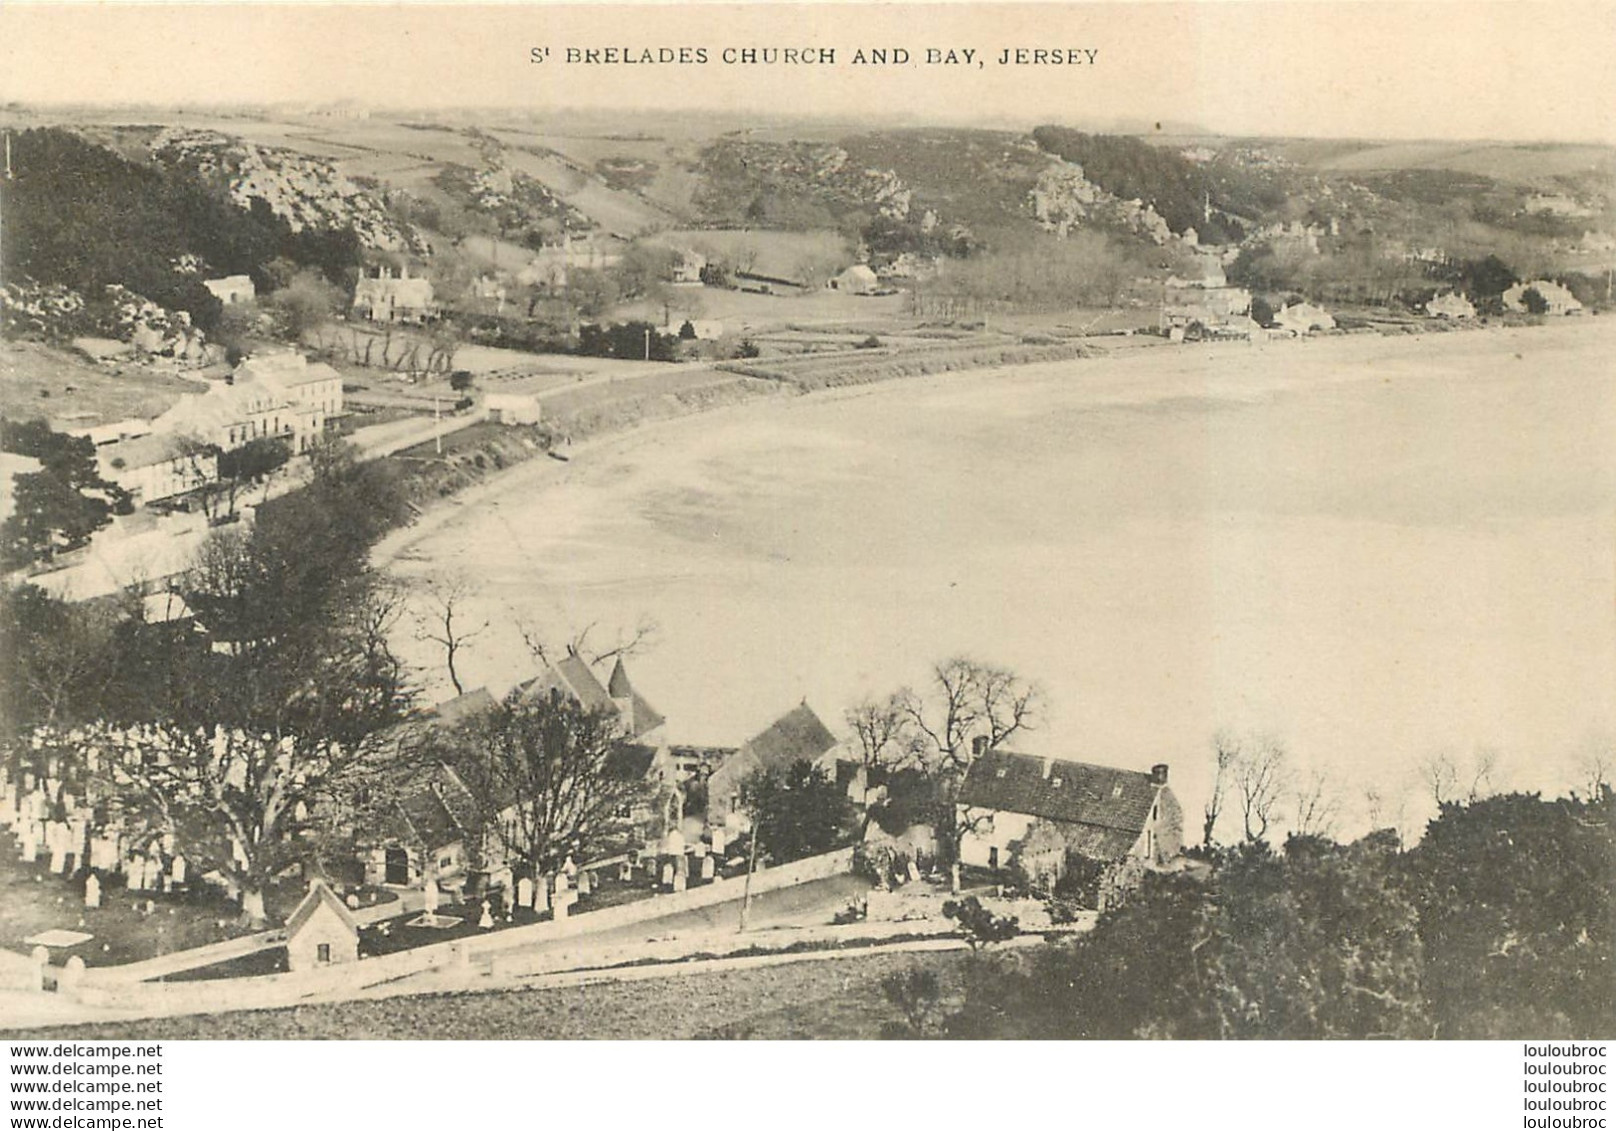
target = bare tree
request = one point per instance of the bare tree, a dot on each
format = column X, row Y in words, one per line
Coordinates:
column 627, row 642
column 550, row 758
column 1260, row 782
column 1449, row 783
column 881, row 730
column 1440, row 775
column 1225, row 752
column 443, row 621
column 969, row 706
column 969, row 700
column 1594, row 766
column 1317, row 805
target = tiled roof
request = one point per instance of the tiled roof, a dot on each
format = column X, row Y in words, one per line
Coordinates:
column 441, row 812
column 461, row 707
column 1072, row 792
column 142, row 451
column 571, row 677
column 796, row 735
column 319, row 894
column 630, row 761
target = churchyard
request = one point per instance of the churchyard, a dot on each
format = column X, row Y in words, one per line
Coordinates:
column 128, row 925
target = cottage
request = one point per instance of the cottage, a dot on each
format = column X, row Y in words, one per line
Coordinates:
column 389, row 297
column 858, row 279
column 1450, row 305
column 1303, row 318
column 512, row 408
column 1551, row 298
column 1100, row 813
column 798, row 735
column 232, row 290
column 321, row 931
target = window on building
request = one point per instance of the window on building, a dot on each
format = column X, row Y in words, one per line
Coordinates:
column 446, row 862
column 322, row 953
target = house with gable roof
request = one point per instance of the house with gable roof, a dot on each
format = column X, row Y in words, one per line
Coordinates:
column 798, row 735
column 321, row 931
column 1101, row 813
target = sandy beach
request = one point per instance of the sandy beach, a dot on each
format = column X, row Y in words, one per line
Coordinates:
column 1373, row 548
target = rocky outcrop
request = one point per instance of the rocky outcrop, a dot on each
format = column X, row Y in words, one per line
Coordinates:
column 306, row 192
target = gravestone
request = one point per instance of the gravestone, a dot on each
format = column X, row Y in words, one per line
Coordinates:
column 92, row 891
column 679, row 882
column 681, row 866
column 541, row 895
column 58, row 857
column 524, row 892
column 699, row 849
column 559, row 911
column 29, row 846
column 486, row 922
column 625, row 871
column 667, row 874
column 914, row 872
column 561, row 882
column 586, row 883
column 720, row 842
column 176, row 870
column 569, row 869
column 707, row 868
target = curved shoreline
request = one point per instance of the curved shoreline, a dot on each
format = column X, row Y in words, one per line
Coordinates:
column 546, row 473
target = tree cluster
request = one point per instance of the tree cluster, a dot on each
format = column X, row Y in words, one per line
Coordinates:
column 80, row 215
column 797, row 812
column 60, row 506
column 1497, row 925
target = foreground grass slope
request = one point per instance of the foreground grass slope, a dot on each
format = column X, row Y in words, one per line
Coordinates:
column 833, row 999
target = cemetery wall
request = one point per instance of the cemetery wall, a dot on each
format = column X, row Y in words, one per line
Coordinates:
column 348, row 977
column 694, row 899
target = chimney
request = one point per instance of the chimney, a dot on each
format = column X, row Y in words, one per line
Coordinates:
column 1158, row 774
column 979, row 746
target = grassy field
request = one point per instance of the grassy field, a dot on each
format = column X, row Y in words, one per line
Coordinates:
column 38, row 381
column 827, row 999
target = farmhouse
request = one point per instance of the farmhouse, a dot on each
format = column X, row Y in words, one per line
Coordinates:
column 1101, row 813
column 1450, row 305
column 798, row 735
column 321, row 931
column 389, row 297
column 1303, row 317
column 1552, row 298
column 856, row 280
column 231, row 290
